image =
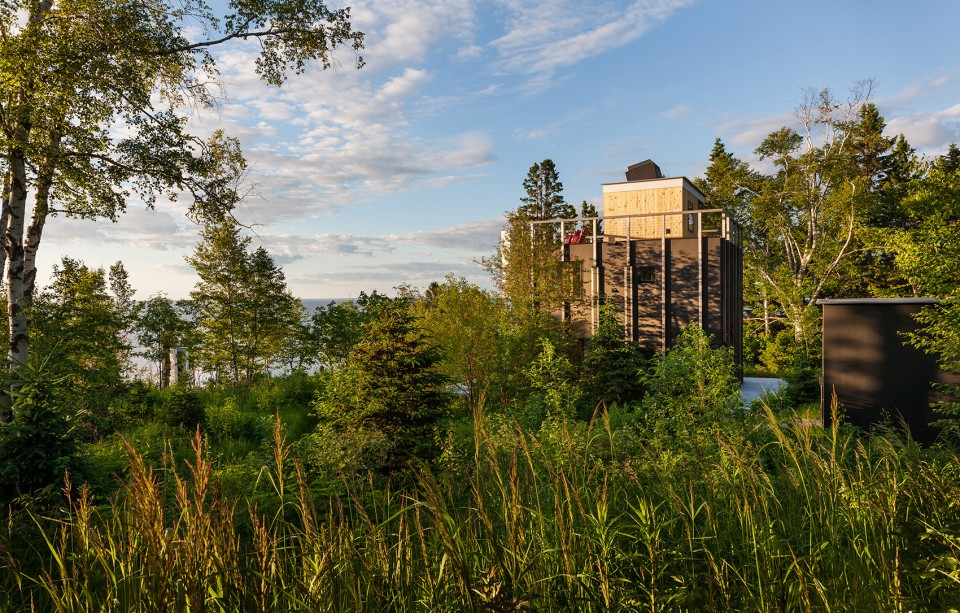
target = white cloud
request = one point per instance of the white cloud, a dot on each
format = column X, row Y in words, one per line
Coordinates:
column 474, row 238
column 331, row 138
column 750, row 132
column 678, row 112
column 376, row 276
column 403, row 85
column 553, row 127
column 139, row 228
column 543, row 37
column 402, row 32
column 929, row 132
column 908, row 96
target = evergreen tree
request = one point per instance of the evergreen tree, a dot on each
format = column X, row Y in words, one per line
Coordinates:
column 928, row 255
column 390, row 389
column 950, row 161
column 526, row 267
column 544, row 194
column 80, row 335
column 612, row 367
column 588, row 210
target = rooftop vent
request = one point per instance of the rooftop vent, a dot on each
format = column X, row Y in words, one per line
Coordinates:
column 641, row 171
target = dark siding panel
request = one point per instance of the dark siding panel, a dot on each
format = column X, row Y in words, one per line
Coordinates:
column 876, row 375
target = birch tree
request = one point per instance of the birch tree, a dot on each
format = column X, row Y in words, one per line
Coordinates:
column 92, row 99
column 803, row 221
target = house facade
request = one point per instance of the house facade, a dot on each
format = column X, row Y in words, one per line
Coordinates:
column 660, row 258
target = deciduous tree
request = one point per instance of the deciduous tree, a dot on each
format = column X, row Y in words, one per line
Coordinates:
column 527, row 267
column 339, row 327
column 470, row 326
column 92, row 94
column 244, row 312
column 81, row 333
column 161, row 325
column 803, row 223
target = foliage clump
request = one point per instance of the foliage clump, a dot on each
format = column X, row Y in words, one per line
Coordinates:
column 694, row 385
column 389, row 392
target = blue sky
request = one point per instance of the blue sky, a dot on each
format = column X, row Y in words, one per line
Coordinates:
column 401, row 172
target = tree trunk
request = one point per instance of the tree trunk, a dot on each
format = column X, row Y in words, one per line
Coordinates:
column 4, row 220
column 13, row 244
column 35, row 230
column 18, row 349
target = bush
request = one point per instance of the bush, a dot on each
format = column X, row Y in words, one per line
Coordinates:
column 693, row 385
column 295, row 390
column 389, row 391
column 225, row 421
column 38, row 446
column 181, row 407
column 613, row 368
column 291, row 397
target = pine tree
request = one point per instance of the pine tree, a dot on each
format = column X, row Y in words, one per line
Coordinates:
column 612, row 366
column 544, row 194
column 526, row 267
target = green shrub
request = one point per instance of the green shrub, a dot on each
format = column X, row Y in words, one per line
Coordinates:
column 225, row 421
column 181, row 406
column 553, row 378
column 296, row 390
column 291, row 397
column 693, row 384
column 39, row 445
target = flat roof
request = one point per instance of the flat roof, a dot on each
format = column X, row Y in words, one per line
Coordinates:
column 625, row 186
column 878, row 301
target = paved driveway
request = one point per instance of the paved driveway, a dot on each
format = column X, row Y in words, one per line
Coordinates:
column 757, row 387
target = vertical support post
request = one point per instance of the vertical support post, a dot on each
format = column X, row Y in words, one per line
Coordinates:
column 593, row 298
column 595, row 239
column 700, row 264
column 663, row 282
column 533, row 267
column 628, row 299
column 596, row 276
column 565, row 305
column 563, row 243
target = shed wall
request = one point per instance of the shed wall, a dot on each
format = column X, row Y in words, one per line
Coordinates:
column 876, row 375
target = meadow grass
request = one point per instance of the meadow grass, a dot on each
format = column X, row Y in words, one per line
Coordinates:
column 778, row 515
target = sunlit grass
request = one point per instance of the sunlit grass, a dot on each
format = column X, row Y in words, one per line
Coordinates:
column 779, row 516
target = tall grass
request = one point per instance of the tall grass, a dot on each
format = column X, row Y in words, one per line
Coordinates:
column 777, row 517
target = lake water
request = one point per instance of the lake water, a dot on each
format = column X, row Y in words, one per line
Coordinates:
column 310, row 304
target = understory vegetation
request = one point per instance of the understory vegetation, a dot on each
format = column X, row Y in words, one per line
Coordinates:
column 627, row 511
column 264, row 498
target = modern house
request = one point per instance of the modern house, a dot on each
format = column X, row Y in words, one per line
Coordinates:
column 659, row 257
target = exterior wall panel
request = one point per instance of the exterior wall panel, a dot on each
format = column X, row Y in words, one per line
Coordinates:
column 877, row 376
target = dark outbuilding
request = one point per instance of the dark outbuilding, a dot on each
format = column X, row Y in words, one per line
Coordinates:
column 876, row 374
